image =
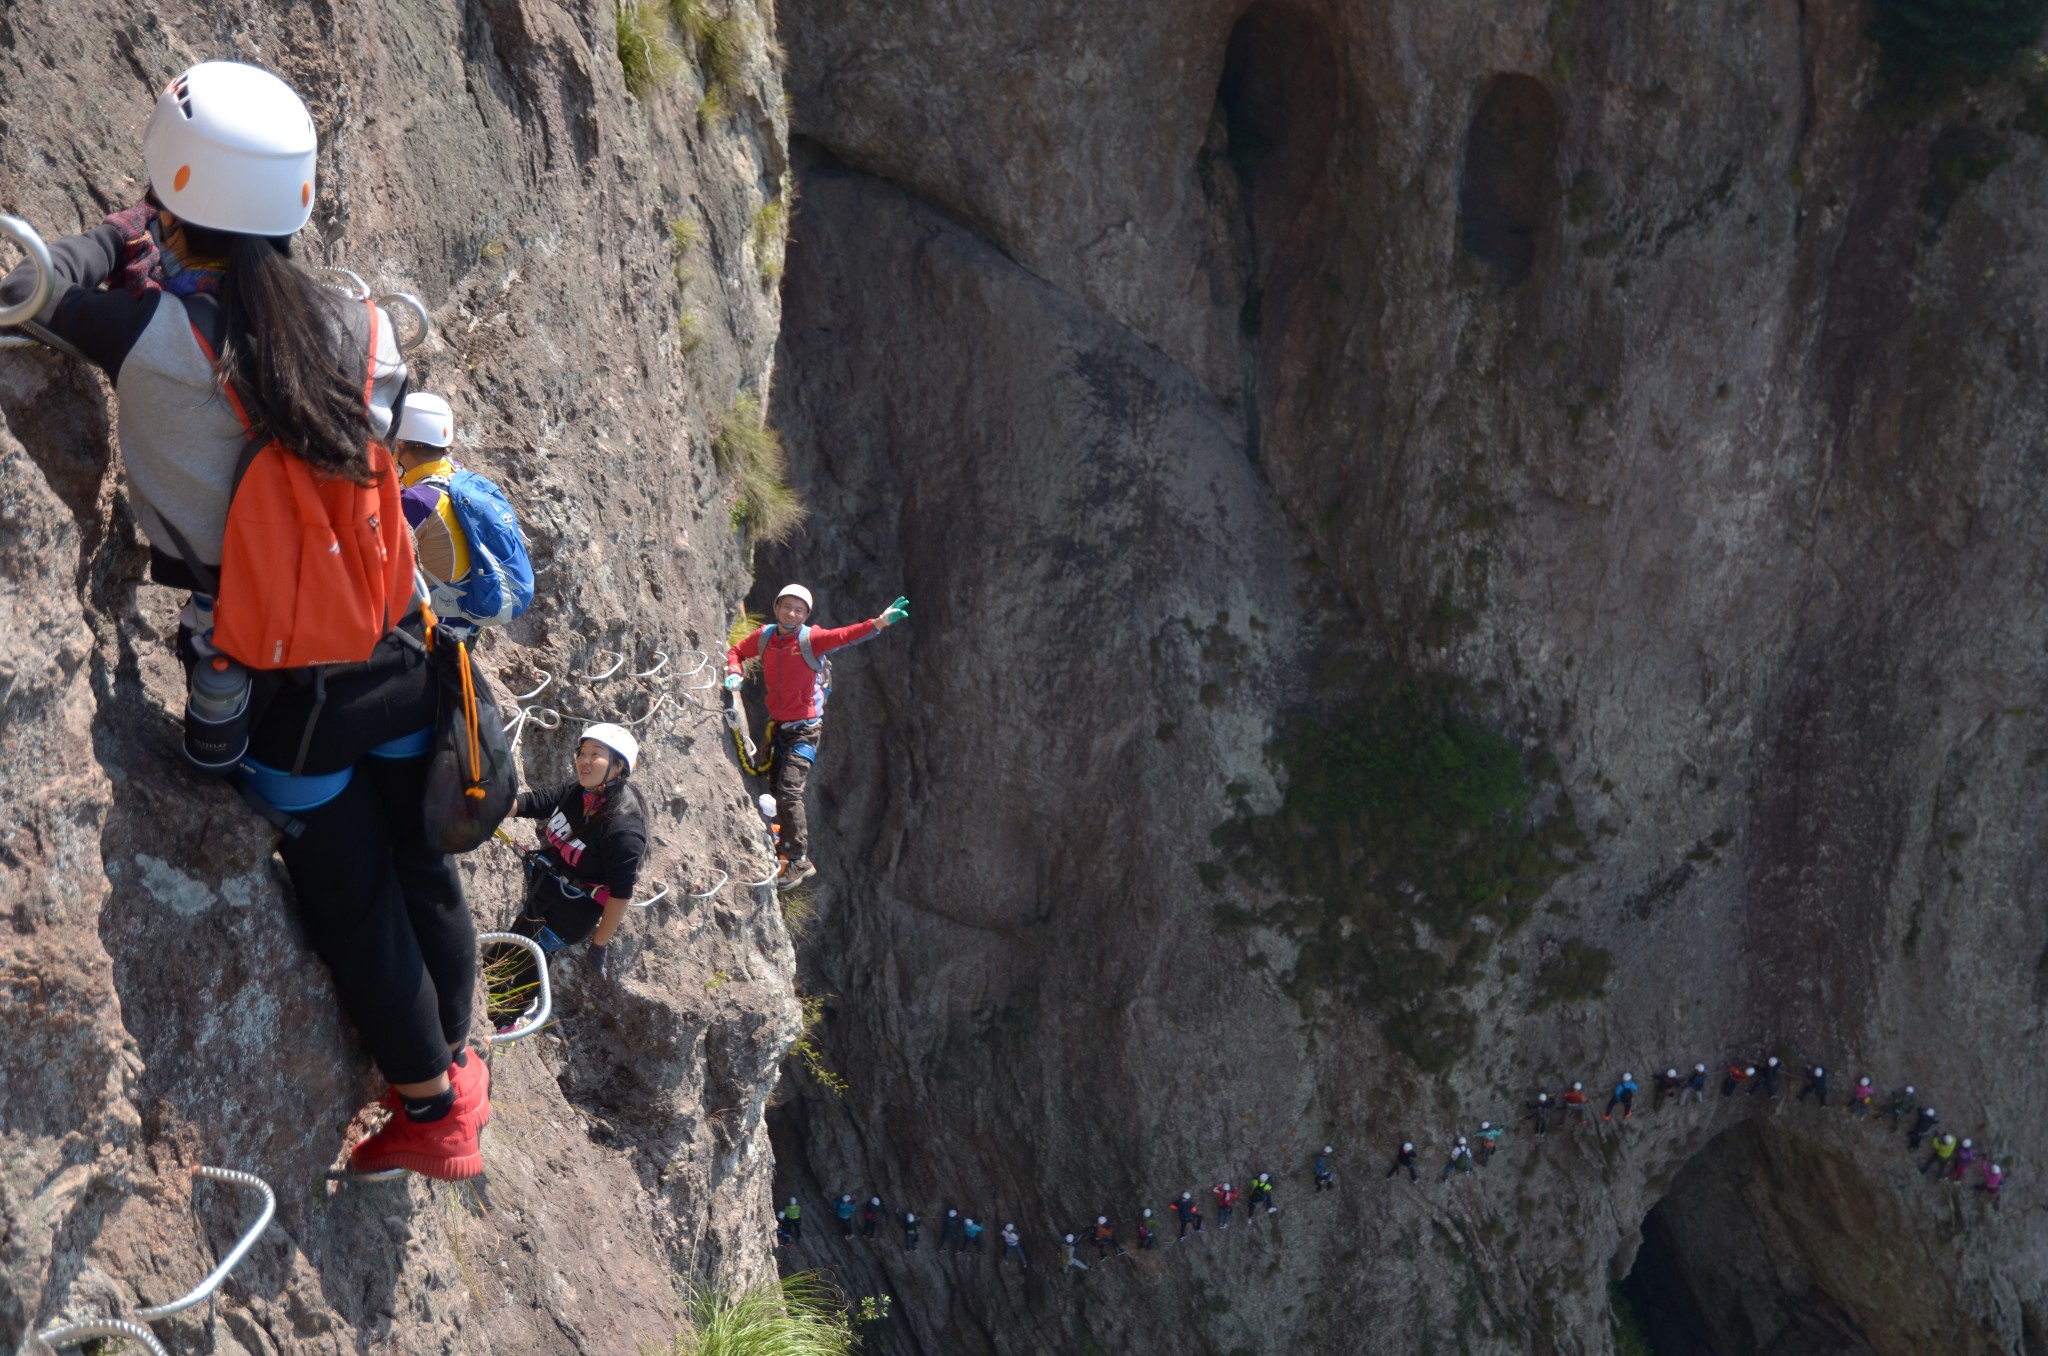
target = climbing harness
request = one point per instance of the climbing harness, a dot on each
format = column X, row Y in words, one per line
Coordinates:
column 202, row 1292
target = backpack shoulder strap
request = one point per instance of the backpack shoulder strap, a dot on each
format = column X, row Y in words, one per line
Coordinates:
column 803, row 644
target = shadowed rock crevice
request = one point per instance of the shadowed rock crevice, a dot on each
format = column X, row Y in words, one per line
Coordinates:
column 1771, row 1241
column 1508, row 195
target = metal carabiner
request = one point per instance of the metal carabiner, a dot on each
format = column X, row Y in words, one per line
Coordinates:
column 406, row 302
column 202, row 1292
column 22, row 315
column 29, row 307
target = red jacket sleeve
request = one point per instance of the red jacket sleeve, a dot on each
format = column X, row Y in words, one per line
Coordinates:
column 824, row 640
column 736, row 655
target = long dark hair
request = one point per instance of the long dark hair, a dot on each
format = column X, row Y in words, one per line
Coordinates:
column 288, row 353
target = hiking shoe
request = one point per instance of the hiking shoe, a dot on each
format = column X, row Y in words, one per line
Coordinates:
column 472, row 1088
column 795, row 871
column 446, row 1149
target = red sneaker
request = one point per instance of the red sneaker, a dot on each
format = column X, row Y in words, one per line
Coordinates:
column 446, row 1149
column 472, row 1087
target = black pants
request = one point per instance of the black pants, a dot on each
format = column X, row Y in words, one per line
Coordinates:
column 792, row 774
column 386, row 913
column 381, row 908
column 546, row 905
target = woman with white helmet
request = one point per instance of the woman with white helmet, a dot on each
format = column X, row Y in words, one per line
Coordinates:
column 235, row 371
column 579, row 882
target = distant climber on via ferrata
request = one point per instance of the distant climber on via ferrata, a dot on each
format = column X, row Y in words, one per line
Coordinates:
column 798, row 678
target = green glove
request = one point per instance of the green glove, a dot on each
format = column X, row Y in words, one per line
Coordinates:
column 898, row 611
column 732, row 682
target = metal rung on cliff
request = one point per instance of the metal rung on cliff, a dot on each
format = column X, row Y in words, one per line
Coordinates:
column 654, row 898
column 203, row 1292
column 536, row 1017
column 22, row 315
column 72, row 1334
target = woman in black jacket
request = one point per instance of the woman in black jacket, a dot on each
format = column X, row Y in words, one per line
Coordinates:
column 594, row 834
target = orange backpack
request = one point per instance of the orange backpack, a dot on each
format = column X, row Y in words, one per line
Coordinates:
column 314, row 567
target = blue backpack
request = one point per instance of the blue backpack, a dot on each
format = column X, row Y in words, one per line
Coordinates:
column 500, row 582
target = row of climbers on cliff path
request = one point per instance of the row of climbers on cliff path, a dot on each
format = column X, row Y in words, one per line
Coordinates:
column 333, row 589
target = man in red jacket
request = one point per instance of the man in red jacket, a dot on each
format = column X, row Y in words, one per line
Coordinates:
column 798, row 679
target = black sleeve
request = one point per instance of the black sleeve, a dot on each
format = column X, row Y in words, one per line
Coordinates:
column 538, row 804
column 101, row 325
column 625, row 845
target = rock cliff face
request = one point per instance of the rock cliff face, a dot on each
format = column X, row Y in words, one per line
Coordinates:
column 159, row 1010
column 1635, row 374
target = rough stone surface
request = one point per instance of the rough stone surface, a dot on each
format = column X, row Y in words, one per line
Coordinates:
column 1707, row 453
column 158, row 1009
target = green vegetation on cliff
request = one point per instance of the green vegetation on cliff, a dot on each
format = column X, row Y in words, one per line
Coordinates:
column 1405, row 842
column 797, row 1316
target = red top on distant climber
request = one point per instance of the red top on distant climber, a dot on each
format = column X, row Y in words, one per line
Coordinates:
column 794, row 692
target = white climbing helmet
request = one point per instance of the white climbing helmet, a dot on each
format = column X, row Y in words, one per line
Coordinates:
column 874, row 1200
column 1102, row 1219
column 1699, row 1068
column 1486, row 1125
column 797, row 591
column 617, row 738
column 428, row 419
column 1265, row 1177
column 1187, row 1195
column 1407, row 1148
column 1461, row 1140
column 792, row 1200
column 1578, row 1087
column 1772, row 1061
column 230, row 147
column 1226, row 1186
column 1070, row 1238
column 846, row 1198
column 1909, row 1089
column 1818, row 1071
column 1928, row 1111
column 1628, row 1078
column 1749, row 1071
column 2000, row 1171
column 910, row 1217
column 1968, row 1142
column 1863, row 1082
column 1673, row 1073
column 1148, row 1212
column 1328, row 1150
column 952, row 1214
column 1542, row 1097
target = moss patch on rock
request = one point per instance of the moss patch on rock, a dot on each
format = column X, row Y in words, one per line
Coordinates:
column 1408, row 838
